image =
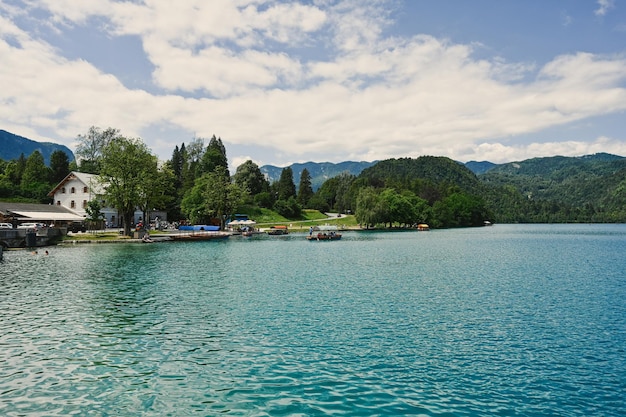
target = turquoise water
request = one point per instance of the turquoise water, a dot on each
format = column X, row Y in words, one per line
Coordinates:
column 509, row 320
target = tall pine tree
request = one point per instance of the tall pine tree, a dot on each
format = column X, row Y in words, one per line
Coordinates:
column 285, row 187
column 305, row 190
column 59, row 165
column 215, row 156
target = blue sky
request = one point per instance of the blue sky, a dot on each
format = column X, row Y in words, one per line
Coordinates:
column 321, row 80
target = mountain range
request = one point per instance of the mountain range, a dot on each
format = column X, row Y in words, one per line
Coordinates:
column 568, row 179
column 555, row 169
column 12, row 146
column 319, row 171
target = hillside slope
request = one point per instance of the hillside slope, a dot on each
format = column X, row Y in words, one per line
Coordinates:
column 12, row 146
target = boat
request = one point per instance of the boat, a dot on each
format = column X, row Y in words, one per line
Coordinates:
column 197, row 236
column 278, row 230
column 325, row 232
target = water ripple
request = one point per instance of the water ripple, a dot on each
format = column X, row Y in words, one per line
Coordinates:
column 495, row 321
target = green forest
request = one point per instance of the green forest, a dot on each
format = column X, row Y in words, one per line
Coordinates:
column 195, row 184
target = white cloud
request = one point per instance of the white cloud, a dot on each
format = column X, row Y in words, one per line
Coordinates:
column 499, row 153
column 603, row 7
column 236, row 69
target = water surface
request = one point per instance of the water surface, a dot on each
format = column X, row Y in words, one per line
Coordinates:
column 510, row 320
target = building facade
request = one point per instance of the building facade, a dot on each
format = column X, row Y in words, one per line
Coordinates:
column 77, row 189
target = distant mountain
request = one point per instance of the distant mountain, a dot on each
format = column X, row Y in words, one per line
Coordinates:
column 587, row 181
column 319, row 171
column 12, row 146
column 479, row 167
column 599, row 163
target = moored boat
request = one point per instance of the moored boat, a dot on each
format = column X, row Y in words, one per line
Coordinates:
column 278, row 230
column 199, row 236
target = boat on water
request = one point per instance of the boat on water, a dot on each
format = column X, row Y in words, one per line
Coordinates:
column 325, row 232
column 278, row 230
column 197, row 236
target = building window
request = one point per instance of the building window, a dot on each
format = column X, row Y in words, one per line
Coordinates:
column 73, row 204
column 63, row 190
column 84, row 203
column 85, row 190
column 73, row 190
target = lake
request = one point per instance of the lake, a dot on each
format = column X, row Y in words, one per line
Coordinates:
column 508, row 320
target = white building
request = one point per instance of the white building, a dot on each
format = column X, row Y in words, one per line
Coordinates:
column 78, row 188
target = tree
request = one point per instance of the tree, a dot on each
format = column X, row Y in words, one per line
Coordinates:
column 176, row 163
column 164, row 194
column 94, row 215
column 15, row 170
column 305, row 190
column 285, row 186
column 36, row 177
column 367, row 207
column 213, row 196
column 289, row 208
column 344, row 195
column 192, row 155
column 398, row 208
column 90, row 148
column 151, row 187
column 59, row 165
column 249, row 178
column 35, row 169
column 214, row 156
column 460, row 210
column 124, row 166
column 326, row 196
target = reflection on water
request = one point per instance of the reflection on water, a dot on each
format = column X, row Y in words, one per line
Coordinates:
column 506, row 320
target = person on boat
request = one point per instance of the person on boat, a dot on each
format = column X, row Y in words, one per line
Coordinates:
column 311, row 231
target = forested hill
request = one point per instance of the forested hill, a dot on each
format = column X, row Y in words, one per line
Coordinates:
column 405, row 172
column 12, row 146
column 560, row 166
column 591, row 188
column 587, row 188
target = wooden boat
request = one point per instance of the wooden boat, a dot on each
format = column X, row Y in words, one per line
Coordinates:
column 324, row 233
column 324, row 236
column 278, row 230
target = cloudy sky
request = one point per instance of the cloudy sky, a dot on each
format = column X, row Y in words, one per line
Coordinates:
column 321, row 80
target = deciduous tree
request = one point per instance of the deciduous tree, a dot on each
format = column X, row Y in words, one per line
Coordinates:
column 90, row 149
column 125, row 165
column 250, row 178
column 213, row 196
